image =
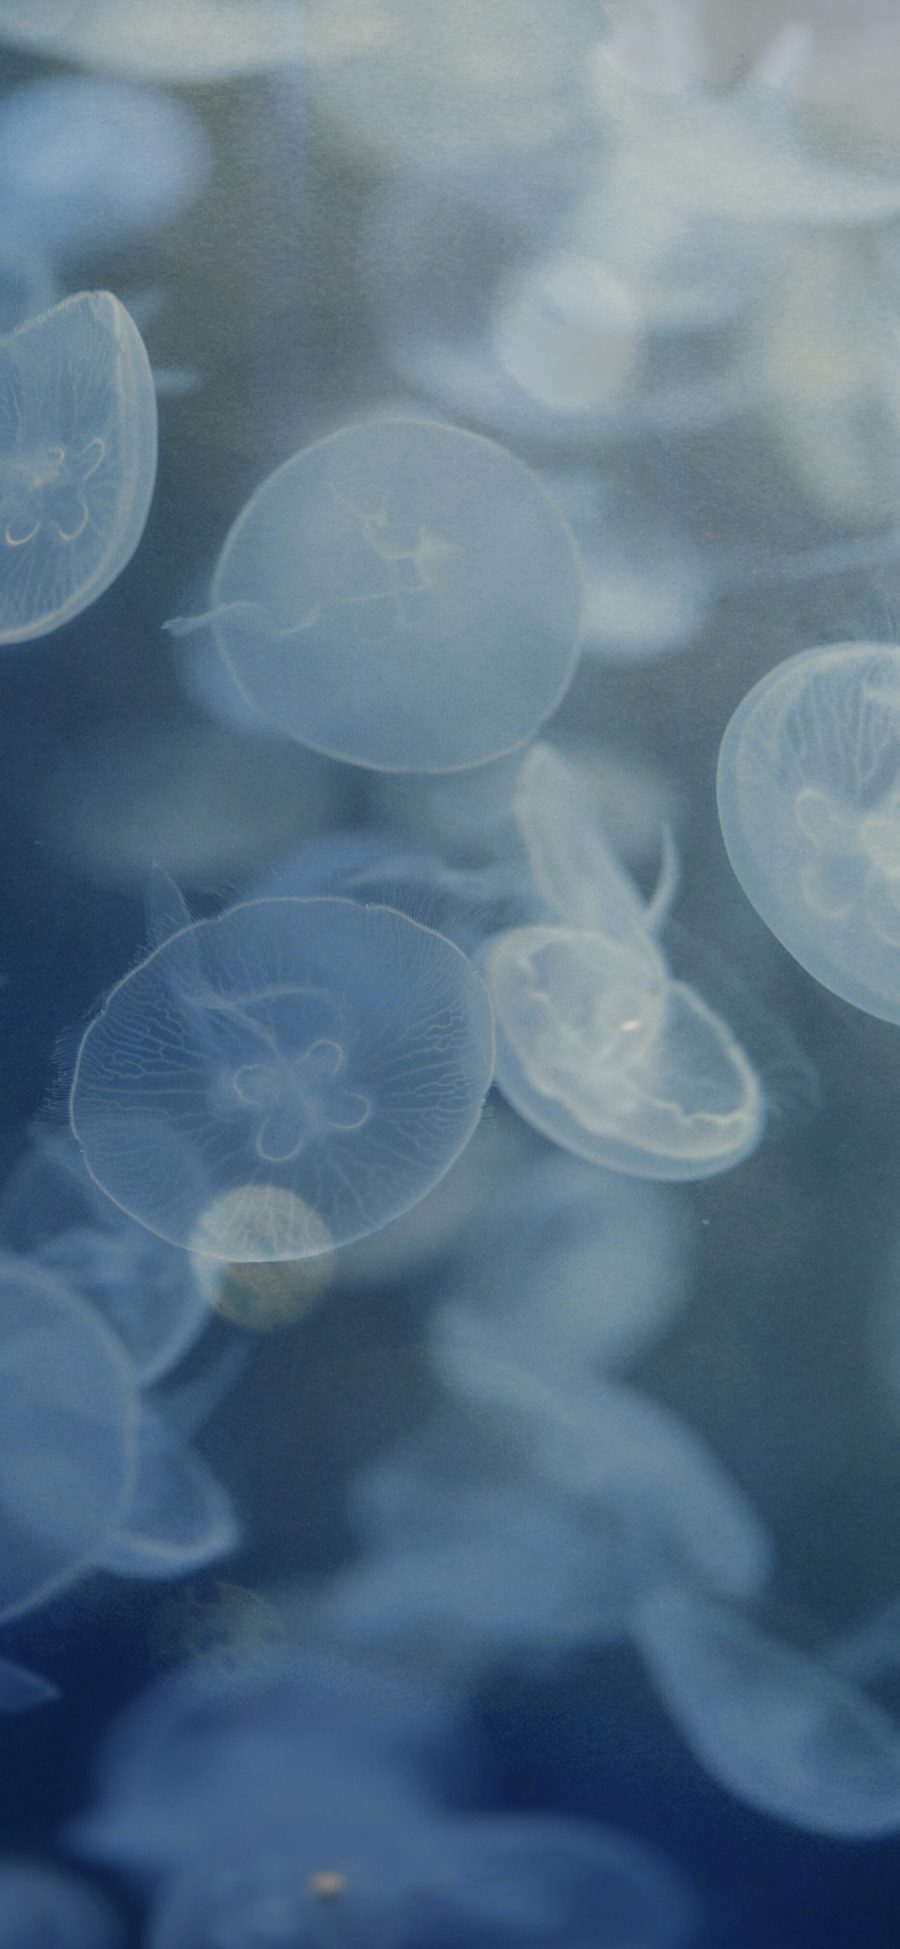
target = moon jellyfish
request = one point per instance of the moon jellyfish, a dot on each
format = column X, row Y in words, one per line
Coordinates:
column 603, row 1053
column 769, row 1723
column 84, row 160
column 51, row 1209
column 49, row 1909
column 77, row 460
column 575, row 871
column 403, row 595
column 178, row 1518
column 809, row 804
column 292, row 1074
column 70, row 1420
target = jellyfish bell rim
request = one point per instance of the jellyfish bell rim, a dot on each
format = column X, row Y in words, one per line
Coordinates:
column 369, row 423
column 138, row 504
column 771, row 913
column 230, row 1257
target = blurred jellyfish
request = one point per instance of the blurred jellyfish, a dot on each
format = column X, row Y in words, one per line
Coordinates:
column 769, row 1723
column 572, row 1271
column 521, row 321
column 70, row 1419
column 402, row 595
column 741, row 154
column 51, row 1209
column 442, row 88
column 649, row 589
column 49, row 1908
column 495, row 1879
column 809, row 803
column 84, row 161
column 603, row 1053
column 77, row 460
column 658, row 1497
column 289, row 1076
column 181, row 793
column 200, row 40
column 301, row 1808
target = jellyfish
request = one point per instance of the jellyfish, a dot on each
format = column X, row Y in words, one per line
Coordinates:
column 51, row 1210
column 52, row 1909
column 84, row 161
column 269, row 1809
column 772, row 1725
column 809, row 805
column 200, row 41
column 650, row 590
column 402, row 595
column 77, row 460
column 287, row 1077
column 604, row 1054
column 70, row 1418
column 521, row 321
column 574, row 869
column 435, row 89
column 570, row 1268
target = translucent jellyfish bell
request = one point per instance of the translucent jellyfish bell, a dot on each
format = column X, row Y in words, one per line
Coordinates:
column 77, row 460
column 49, row 1909
column 772, row 1725
column 809, row 803
column 69, row 1412
column 598, row 1049
column 84, row 159
column 403, row 595
column 283, row 1079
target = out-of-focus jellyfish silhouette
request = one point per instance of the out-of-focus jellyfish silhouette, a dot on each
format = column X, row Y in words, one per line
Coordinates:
column 520, row 321
column 773, row 1725
column 283, row 1079
column 200, row 41
column 649, row 588
column 48, row 1908
column 403, row 595
column 181, row 793
column 741, row 154
column 70, row 1418
column 85, row 161
column 77, row 460
column 809, row 804
column 51, row 1210
column 94, row 1475
column 269, row 1807
column 438, row 90
column 572, row 1270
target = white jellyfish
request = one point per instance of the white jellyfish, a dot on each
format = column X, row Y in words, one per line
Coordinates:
column 403, row 595
column 601, row 1051
column 85, row 161
column 77, row 460
column 773, row 1725
column 809, row 804
column 283, row 1079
